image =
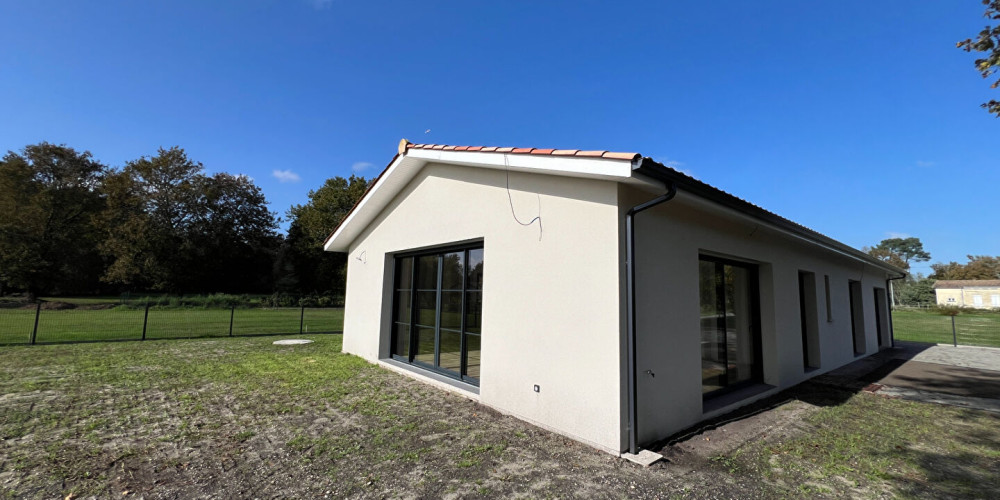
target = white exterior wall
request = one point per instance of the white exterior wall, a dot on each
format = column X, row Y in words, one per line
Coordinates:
column 989, row 297
column 669, row 240
column 550, row 306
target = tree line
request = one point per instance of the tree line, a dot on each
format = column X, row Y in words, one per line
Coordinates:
column 917, row 289
column 70, row 225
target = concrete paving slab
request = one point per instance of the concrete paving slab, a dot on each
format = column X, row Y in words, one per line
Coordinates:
column 955, row 380
column 983, row 358
column 992, row 405
column 644, row 458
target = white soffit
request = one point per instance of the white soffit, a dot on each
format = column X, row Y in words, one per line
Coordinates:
column 406, row 167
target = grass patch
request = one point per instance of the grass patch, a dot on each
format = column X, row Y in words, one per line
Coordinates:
column 978, row 329
column 123, row 323
column 244, row 418
column 871, row 444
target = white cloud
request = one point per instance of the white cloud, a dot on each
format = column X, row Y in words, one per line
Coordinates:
column 893, row 234
column 286, row 176
column 678, row 166
column 924, row 163
column 361, row 166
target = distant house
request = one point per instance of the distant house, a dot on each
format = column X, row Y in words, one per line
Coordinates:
column 980, row 294
column 601, row 295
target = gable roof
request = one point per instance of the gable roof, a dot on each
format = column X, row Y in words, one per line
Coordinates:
column 529, row 151
column 616, row 166
column 965, row 283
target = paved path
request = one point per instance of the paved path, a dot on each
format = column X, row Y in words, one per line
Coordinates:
column 958, row 376
column 984, row 358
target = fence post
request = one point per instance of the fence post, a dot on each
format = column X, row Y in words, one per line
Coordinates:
column 145, row 319
column 34, row 331
column 232, row 312
column 954, row 334
column 302, row 318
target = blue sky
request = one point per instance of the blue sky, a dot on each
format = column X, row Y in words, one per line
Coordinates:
column 859, row 119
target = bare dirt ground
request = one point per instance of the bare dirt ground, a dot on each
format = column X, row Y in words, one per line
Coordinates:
column 240, row 418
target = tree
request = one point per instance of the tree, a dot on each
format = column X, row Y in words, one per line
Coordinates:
column 979, row 267
column 987, row 42
column 305, row 265
column 901, row 251
column 170, row 227
column 49, row 196
column 918, row 291
column 234, row 238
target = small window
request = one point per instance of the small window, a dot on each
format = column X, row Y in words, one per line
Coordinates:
column 829, row 306
column 951, row 299
column 995, row 300
column 977, row 300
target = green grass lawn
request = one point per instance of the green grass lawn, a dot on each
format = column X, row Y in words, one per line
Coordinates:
column 979, row 329
column 122, row 323
column 243, row 418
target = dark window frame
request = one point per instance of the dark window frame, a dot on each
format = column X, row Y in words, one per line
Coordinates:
column 409, row 358
column 753, row 275
column 810, row 329
column 859, row 337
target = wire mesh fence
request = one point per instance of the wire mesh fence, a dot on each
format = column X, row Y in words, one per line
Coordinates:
column 36, row 324
column 965, row 328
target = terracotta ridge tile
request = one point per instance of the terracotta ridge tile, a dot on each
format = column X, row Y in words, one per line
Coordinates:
column 522, row 150
column 542, row 151
column 620, row 156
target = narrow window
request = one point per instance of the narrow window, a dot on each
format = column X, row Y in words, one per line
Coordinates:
column 881, row 316
column 829, row 306
column 995, row 300
column 809, row 318
column 977, row 300
column 730, row 336
column 857, row 317
column 437, row 311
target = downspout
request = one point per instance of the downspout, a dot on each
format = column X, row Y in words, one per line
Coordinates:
column 633, row 399
column 892, row 301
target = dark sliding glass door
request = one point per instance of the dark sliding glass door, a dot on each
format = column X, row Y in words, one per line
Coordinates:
column 730, row 336
column 437, row 310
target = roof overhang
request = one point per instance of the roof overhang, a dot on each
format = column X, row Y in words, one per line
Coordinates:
column 406, row 165
column 739, row 207
column 627, row 168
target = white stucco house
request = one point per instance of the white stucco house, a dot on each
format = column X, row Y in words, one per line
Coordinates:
column 979, row 294
column 599, row 295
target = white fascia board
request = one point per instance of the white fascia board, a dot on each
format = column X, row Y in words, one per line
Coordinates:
column 406, row 166
column 573, row 166
column 371, row 204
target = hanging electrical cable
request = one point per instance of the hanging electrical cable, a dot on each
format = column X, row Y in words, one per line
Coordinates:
column 510, row 199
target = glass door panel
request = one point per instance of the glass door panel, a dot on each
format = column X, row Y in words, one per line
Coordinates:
column 729, row 339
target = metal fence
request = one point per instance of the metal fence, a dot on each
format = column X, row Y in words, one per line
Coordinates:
column 38, row 325
column 966, row 328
